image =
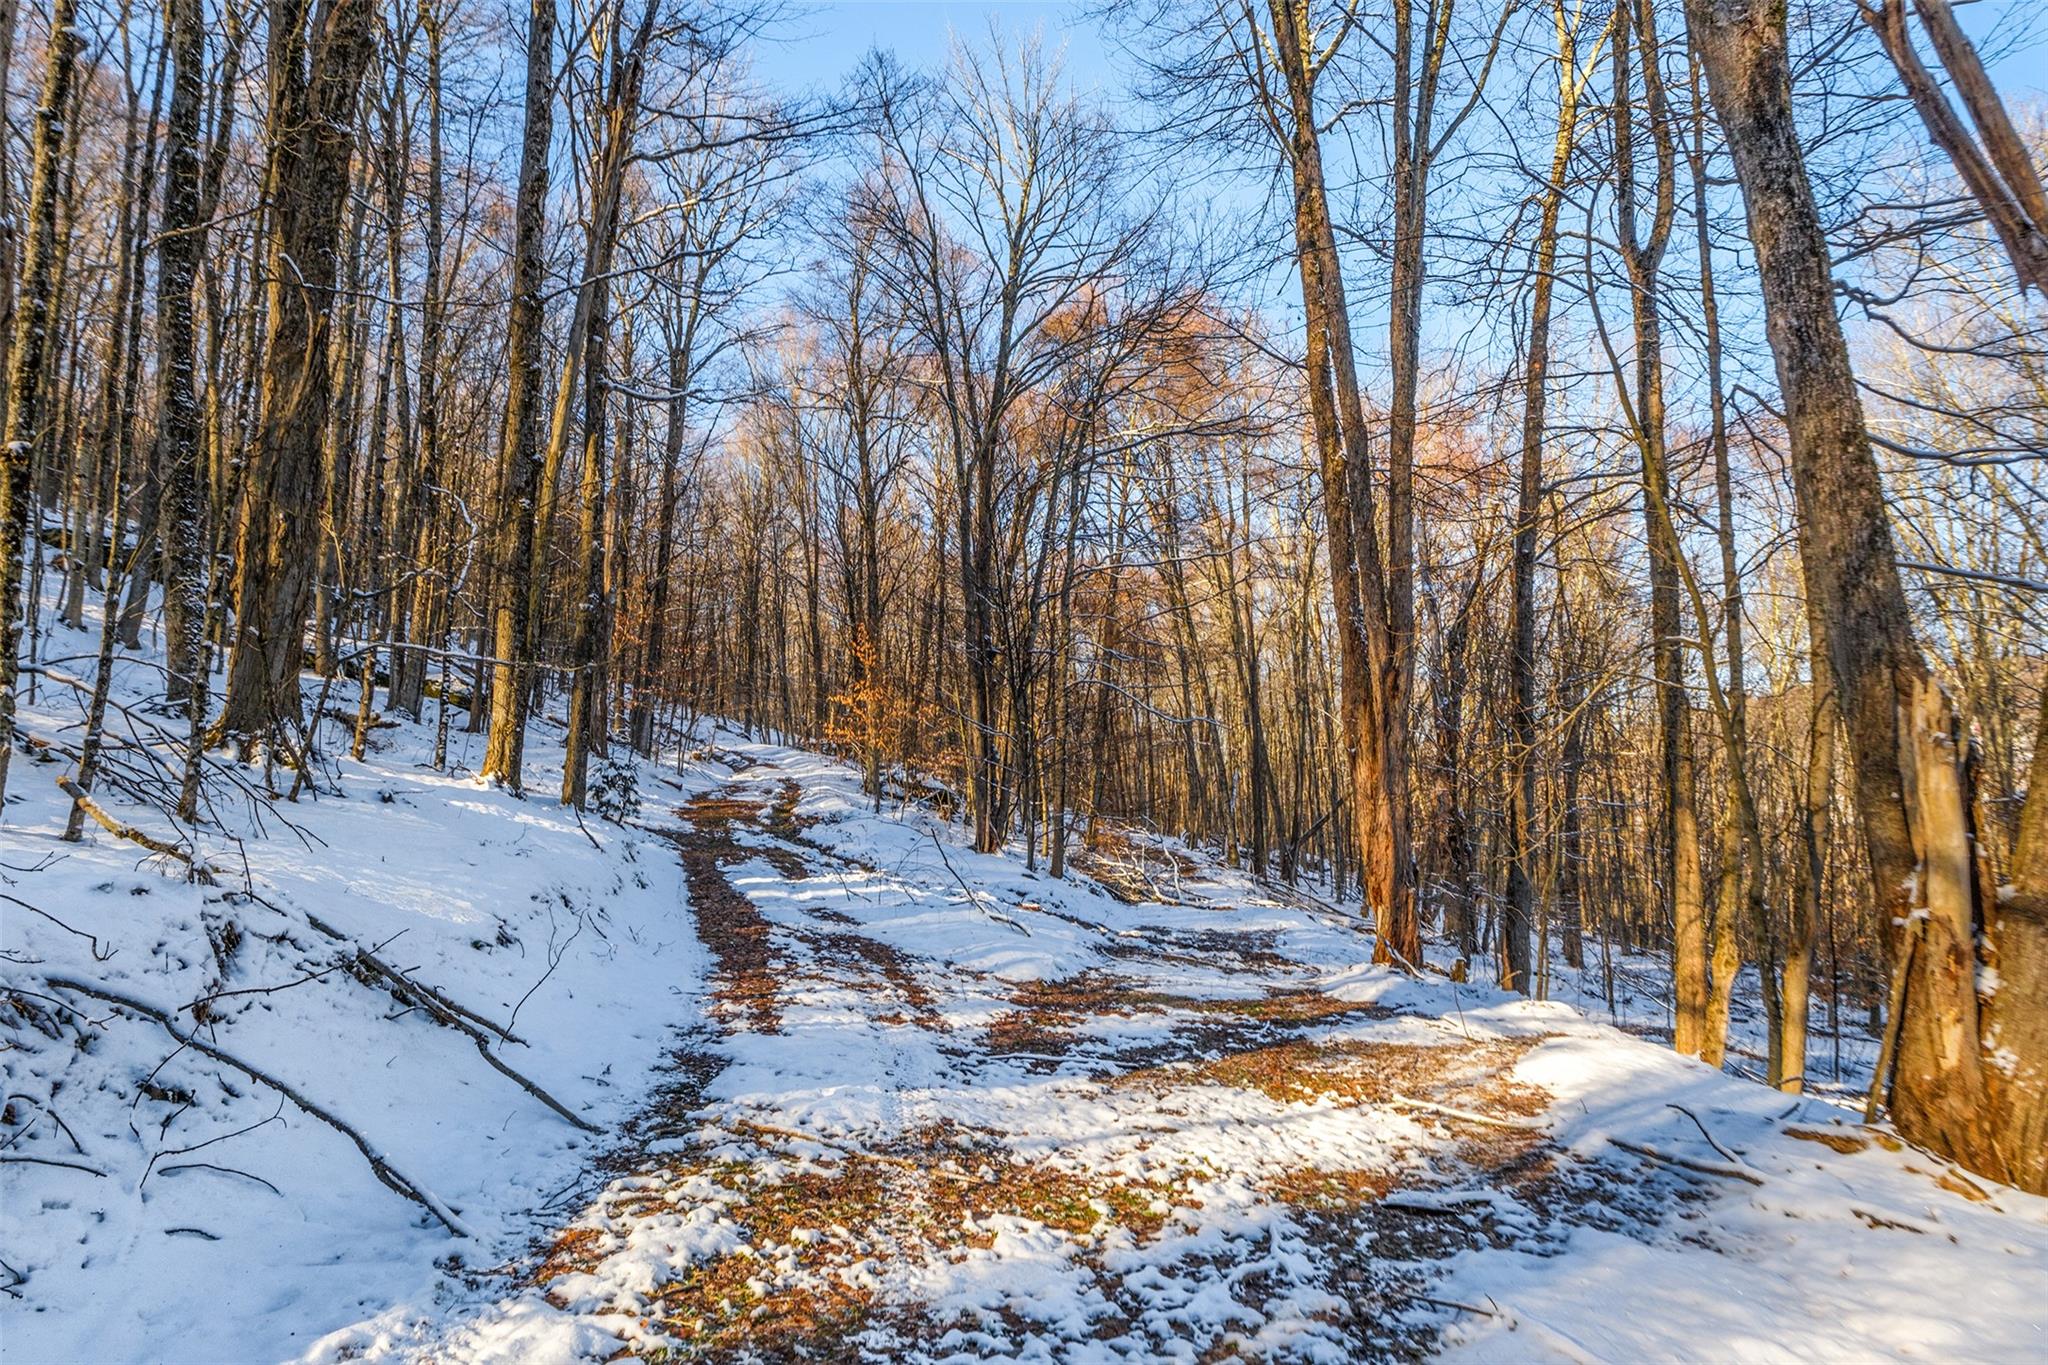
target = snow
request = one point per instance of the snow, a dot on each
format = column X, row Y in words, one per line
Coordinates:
column 284, row 1234
column 1214, row 1125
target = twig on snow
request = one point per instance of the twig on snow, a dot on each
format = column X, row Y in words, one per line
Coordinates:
column 1732, row 1159
column 1525, row 1125
column 1687, row 1163
column 224, row 1170
column 53, row 1161
column 47, row 1112
column 973, row 899
column 223, row 1137
column 97, row 955
column 555, row 956
column 382, row 1169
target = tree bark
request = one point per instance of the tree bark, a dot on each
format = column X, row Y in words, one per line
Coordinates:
column 1986, row 1107
column 519, row 450
column 316, row 63
column 1375, row 742
column 30, row 350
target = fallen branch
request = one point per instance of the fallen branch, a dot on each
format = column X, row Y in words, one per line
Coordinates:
column 1687, row 1163
column 1733, row 1160
column 97, row 955
column 1525, row 1125
column 555, row 956
column 447, row 1013
column 197, row 1146
column 577, row 811
column 1439, row 1303
column 381, row 1168
column 430, row 999
column 47, row 1112
column 224, row 1170
column 193, row 1007
column 973, row 899
column 52, row 1161
column 200, row 871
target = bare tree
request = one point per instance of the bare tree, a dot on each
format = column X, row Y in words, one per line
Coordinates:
column 1904, row 741
column 29, row 350
column 519, row 458
column 317, row 57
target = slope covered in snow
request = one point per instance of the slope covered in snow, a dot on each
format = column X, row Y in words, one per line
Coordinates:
column 196, row 1212
column 860, row 1091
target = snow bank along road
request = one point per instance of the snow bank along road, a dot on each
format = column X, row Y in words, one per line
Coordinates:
column 873, row 1095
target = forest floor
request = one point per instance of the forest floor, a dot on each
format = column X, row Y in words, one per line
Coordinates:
column 943, row 1108
column 855, row 1091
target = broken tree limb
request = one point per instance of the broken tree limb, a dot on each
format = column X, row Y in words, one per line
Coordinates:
column 446, row 1012
column 1524, row 1125
column 382, row 1169
column 200, row 871
column 451, row 1015
column 430, row 999
column 567, row 1115
column 1687, row 1163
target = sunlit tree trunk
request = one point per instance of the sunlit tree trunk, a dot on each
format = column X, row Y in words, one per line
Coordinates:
column 1375, row 743
column 29, row 349
column 518, row 473
column 1947, row 1090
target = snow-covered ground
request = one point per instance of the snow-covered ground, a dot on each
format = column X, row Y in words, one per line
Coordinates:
column 202, row 1216
column 863, row 1092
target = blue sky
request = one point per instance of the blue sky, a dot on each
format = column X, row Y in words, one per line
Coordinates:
column 821, row 41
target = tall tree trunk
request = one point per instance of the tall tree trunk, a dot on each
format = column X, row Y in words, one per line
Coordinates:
column 590, row 640
column 519, row 451
column 1521, row 901
column 428, row 588
column 29, row 351
column 588, row 633
column 316, row 64
column 1375, row 742
column 181, row 244
column 1635, row 38
column 1948, row 1091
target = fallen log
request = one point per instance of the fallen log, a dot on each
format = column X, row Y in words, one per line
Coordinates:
column 1687, row 1163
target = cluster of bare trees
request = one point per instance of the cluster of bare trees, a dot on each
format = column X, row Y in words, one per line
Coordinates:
column 1565, row 473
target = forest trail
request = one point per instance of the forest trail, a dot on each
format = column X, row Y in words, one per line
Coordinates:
column 861, row 1092
column 1059, row 1125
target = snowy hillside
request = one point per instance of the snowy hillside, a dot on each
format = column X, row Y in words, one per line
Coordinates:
column 856, row 1090
column 162, row 1203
